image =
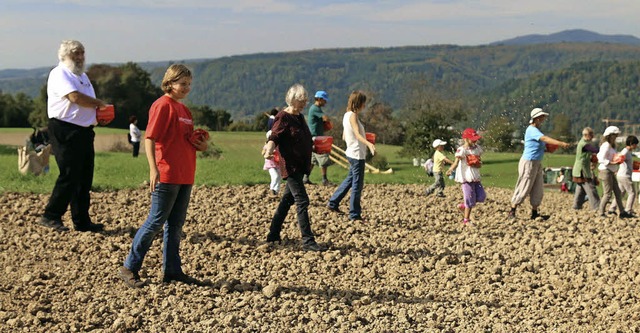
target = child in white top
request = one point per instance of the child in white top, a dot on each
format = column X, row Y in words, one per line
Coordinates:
column 273, row 166
column 467, row 169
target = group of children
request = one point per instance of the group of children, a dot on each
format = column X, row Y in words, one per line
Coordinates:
column 466, row 171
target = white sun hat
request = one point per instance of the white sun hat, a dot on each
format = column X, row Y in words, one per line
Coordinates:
column 438, row 142
column 611, row 130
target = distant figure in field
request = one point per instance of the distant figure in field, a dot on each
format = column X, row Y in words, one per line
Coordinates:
column 357, row 144
column 134, row 134
column 530, row 178
column 272, row 118
column 291, row 135
column 624, row 176
column 608, row 166
column 71, row 107
column 583, row 172
column 316, row 120
column 171, row 152
column 467, row 172
column 439, row 159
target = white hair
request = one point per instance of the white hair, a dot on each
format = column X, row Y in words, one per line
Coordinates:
column 67, row 47
column 296, row 93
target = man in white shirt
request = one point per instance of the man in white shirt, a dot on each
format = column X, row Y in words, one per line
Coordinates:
column 71, row 107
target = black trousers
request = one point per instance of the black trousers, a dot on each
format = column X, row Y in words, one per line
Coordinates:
column 294, row 193
column 73, row 149
column 136, row 148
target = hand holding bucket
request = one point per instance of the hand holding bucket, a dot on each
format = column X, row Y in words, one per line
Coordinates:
column 105, row 114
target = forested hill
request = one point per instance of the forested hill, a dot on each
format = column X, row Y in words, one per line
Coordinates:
column 250, row 84
column 585, row 92
column 245, row 85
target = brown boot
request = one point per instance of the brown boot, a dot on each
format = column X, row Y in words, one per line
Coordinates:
column 132, row 279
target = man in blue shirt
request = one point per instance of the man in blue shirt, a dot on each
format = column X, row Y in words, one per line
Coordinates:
column 316, row 119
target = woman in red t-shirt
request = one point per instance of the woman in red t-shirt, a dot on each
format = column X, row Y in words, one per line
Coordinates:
column 171, row 152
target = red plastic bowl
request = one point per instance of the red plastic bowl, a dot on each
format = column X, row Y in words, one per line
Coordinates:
column 550, row 148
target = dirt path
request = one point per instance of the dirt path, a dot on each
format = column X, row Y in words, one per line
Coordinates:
column 103, row 142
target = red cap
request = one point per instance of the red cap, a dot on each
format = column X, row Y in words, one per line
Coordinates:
column 471, row 134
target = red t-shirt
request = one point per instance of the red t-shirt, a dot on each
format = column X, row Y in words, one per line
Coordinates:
column 170, row 125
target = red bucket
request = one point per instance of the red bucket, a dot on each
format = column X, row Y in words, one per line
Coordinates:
column 322, row 144
column 371, row 137
column 550, row 148
column 106, row 114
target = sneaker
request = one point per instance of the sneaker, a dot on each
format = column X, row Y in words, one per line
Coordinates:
column 326, row 182
column 132, row 279
column 53, row 224
column 273, row 193
column 271, row 239
column 90, row 227
column 427, row 192
column 461, row 207
column 512, row 215
column 625, row 215
column 184, row 278
column 466, row 222
column 357, row 218
column 612, row 212
column 440, row 195
column 314, row 247
column 335, row 210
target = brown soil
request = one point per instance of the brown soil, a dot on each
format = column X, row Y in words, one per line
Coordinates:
column 411, row 266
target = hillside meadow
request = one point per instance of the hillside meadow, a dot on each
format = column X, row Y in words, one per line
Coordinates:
column 240, row 164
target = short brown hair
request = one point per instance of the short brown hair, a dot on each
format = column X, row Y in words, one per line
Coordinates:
column 174, row 73
column 357, row 99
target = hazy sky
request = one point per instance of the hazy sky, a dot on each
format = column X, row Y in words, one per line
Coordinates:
column 152, row 30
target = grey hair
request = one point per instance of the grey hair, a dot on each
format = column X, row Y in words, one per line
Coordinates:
column 296, row 93
column 587, row 130
column 67, row 47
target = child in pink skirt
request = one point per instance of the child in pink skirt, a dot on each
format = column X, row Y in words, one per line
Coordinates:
column 467, row 170
column 273, row 166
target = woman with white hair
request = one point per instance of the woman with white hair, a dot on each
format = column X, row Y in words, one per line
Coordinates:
column 607, row 169
column 291, row 135
column 530, row 178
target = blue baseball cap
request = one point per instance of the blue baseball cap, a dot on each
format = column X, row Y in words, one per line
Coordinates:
column 322, row 94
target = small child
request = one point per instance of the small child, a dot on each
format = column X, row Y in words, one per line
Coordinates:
column 273, row 166
column 468, row 165
column 624, row 176
column 439, row 159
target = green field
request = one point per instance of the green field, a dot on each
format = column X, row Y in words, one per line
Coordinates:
column 241, row 164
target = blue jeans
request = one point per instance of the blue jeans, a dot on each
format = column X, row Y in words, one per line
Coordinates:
column 355, row 182
column 294, row 192
column 169, row 203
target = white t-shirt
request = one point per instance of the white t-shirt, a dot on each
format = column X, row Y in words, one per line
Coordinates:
column 134, row 131
column 355, row 149
column 626, row 168
column 605, row 156
column 464, row 172
column 61, row 83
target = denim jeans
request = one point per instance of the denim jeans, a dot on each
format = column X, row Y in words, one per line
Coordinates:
column 355, row 182
column 294, row 192
column 169, row 203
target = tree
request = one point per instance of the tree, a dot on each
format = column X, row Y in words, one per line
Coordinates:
column 499, row 134
column 216, row 120
column 129, row 88
column 379, row 119
column 430, row 116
